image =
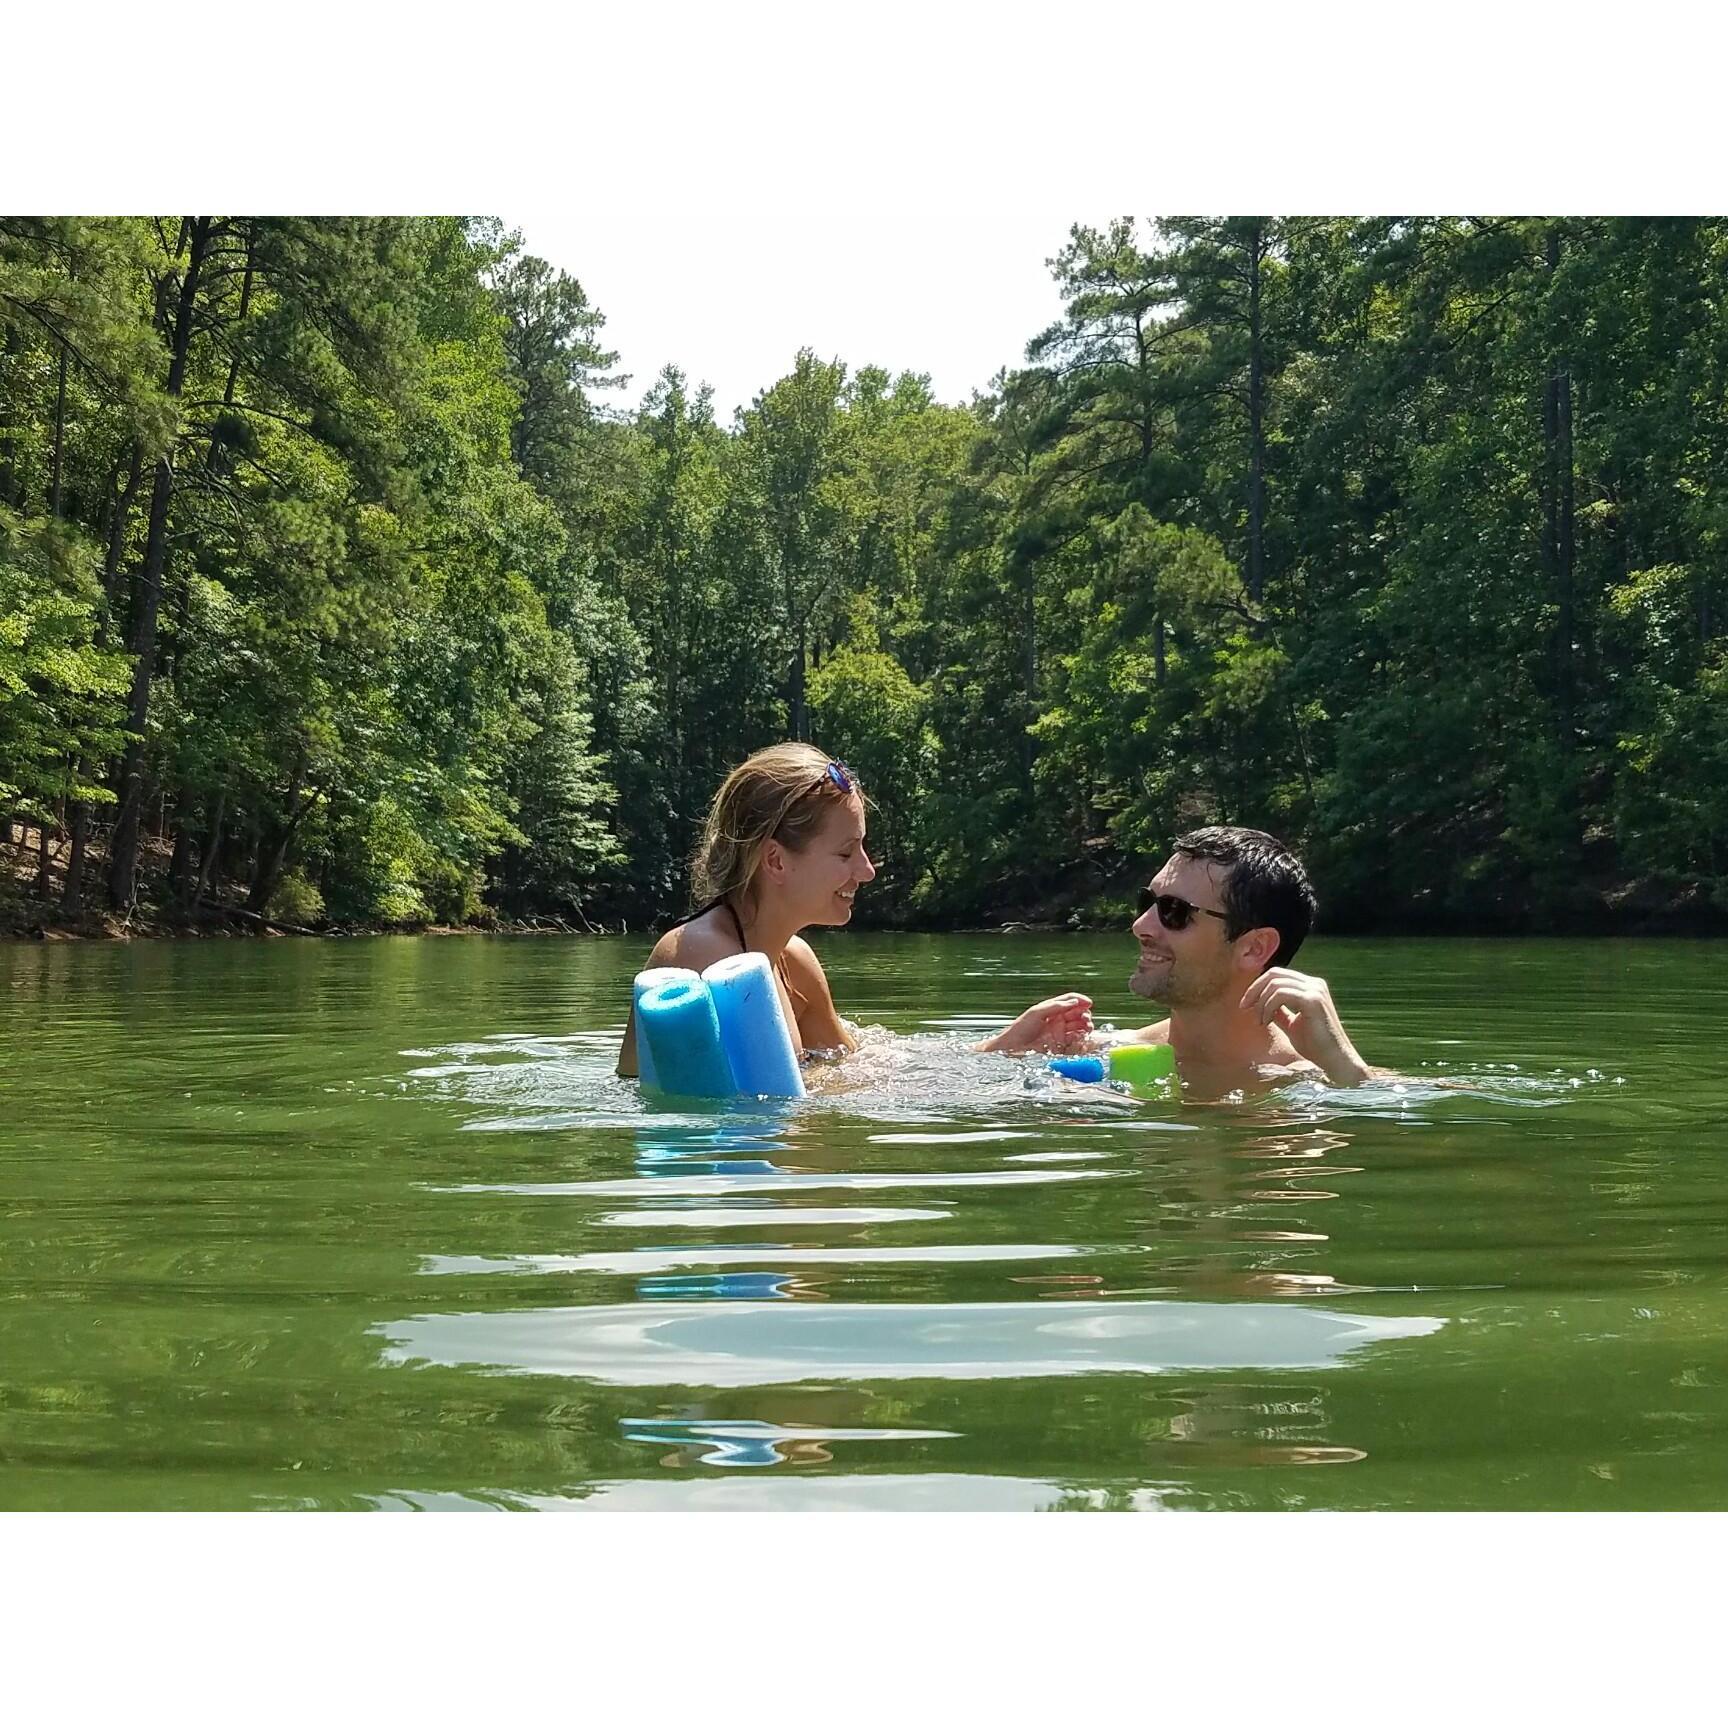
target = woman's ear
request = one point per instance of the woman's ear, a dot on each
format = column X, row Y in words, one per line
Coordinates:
column 773, row 863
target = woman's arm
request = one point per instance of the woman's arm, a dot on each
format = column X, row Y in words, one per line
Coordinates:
column 627, row 1068
column 819, row 1023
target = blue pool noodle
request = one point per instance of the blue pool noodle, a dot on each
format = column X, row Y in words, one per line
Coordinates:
column 1086, row 1068
column 679, row 1026
column 753, row 1026
column 645, row 981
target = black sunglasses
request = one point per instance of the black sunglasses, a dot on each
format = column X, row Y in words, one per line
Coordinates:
column 1174, row 912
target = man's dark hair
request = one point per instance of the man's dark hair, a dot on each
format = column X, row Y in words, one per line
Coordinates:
column 1266, row 885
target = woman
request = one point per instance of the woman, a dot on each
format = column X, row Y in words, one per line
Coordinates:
column 783, row 849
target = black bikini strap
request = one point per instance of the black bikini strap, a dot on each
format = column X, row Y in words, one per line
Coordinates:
column 691, row 917
column 743, row 940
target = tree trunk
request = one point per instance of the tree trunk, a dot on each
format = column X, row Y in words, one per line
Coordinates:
column 672, row 647
column 72, row 898
column 44, row 877
column 208, row 853
column 59, row 439
column 117, row 524
column 147, row 598
column 1558, row 502
column 180, row 865
column 1256, row 423
column 9, row 398
column 183, row 589
column 234, row 363
column 273, row 853
column 800, row 721
column 1567, row 557
column 1029, row 671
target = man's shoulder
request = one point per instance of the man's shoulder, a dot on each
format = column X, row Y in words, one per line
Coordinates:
column 1158, row 1034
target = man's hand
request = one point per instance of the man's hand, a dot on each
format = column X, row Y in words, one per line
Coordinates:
column 1300, row 1006
column 1061, row 1023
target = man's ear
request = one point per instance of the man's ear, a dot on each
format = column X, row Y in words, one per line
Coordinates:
column 1255, row 948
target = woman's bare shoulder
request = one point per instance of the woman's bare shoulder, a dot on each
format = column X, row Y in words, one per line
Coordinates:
column 697, row 944
column 809, row 984
column 801, row 959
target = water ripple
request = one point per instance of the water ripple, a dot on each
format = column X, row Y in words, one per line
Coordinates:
column 659, row 1187
column 632, row 1261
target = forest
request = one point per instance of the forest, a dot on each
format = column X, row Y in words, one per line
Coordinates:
column 336, row 591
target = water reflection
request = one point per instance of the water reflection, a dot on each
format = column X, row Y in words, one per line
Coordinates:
column 745, row 1145
column 810, row 1491
column 723, row 1286
column 680, row 1181
column 630, row 1261
column 1230, row 1424
column 760, row 1344
column 748, row 1444
column 747, row 1213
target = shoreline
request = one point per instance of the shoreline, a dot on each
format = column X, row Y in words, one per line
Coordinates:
column 235, row 925
column 1684, row 917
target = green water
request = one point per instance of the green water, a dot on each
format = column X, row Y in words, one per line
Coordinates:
column 371, row 1224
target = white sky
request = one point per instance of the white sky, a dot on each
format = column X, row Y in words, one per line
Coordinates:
column 885, row 187
column 732, row 180
column 915, row 289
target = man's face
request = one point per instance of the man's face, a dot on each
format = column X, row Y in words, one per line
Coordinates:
column 1196, row 964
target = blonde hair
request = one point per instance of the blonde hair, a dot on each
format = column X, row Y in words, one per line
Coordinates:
column 781, row 793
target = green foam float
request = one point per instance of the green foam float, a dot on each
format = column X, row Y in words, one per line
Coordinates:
column 1147, row 1070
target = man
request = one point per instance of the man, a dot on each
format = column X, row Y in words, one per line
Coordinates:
column 1218, row 928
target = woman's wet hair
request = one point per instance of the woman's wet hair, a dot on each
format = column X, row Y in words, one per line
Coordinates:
column 781, row 793
column 1267, row 885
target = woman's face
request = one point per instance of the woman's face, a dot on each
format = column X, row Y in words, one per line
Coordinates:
column 819, row 882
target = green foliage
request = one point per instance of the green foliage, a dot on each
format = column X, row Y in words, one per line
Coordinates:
column 296, row 901
column 563, row 845
column 1403, row 537
column 61, row 693
column 869, row 714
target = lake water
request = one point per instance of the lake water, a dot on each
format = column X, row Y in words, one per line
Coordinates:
column 371, row 1223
